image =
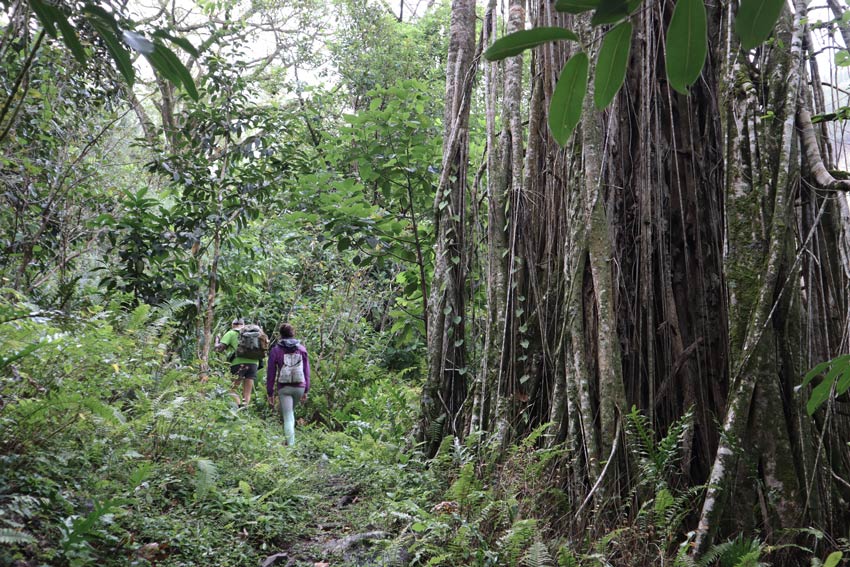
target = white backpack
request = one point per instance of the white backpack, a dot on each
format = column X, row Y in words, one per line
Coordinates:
column 292, row 369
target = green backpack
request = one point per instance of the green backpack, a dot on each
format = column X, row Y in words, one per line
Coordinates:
column 253, row 342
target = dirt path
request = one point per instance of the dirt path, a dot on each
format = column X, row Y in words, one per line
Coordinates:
column 336, row 536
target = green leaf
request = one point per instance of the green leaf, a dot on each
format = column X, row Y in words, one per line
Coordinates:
column 610, row 11
column 611, row 64
column 755, row 21
column 687, row 45
column 166, row 62
column 820, row 394
column 814, row 372
column 576, row 6
column 843, row 383
column 46, row 14
column 517, row 42
column 69, row 35
column 833, row 559
column 182, row 42
column 11, row 536
column 180, row 69
column 565, row 108
column 108, row 31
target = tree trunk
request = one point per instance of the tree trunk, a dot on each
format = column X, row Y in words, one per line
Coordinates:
column 445, row 390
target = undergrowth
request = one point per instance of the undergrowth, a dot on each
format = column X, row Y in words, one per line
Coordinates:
column 114, row 453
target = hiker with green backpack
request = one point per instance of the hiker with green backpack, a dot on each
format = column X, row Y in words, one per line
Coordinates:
column 288, row 378
column 248, row 344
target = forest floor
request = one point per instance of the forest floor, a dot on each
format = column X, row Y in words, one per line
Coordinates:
column 343, row 510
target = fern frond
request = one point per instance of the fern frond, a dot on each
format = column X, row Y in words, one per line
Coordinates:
column 668, row 451
column 566, row 557
column 537, row 556
column 205, row 478
column 639, row 435
column 103, row 410
column 14, row 537
column 435, row 429
column 713, row 553
column 137, row 318
column 517, row 539
column 464, row 486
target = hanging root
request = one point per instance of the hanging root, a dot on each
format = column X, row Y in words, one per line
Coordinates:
column 821, row 175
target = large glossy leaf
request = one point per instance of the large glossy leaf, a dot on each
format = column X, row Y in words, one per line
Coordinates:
column 52, row 17
column 517, row 42
column 820, row 394
column 576, row 6
column 687, row 44
column 567, row 100
column 69, row 36
column 610, row 11
column 611, row 64
column 107, row 29
column 182, row 42
column 755, row 20
column 46, row 14
column 180, row 70
column 169, row 66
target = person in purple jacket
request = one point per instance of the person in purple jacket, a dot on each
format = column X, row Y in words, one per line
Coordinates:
column 288, row 372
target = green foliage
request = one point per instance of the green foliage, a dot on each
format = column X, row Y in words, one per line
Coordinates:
column 837, row 379
column 685, row 50
column 537, row 556
column 687, row 44
column 205, row 478
column 755, row 20
column 567, row 100
column 516, row 43
column 10, row 536
column 611, row 64
column 114, row 32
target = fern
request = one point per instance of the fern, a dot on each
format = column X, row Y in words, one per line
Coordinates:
column 14, row 537
column 517, row 540
column 205, row 478
column 464, row 486
column 103, row 410
column 656, row 459
column 566, row 557
column 537, row 556
column 435, row 429
column 137, row 318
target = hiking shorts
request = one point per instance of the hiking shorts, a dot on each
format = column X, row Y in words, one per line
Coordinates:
column 244, row 371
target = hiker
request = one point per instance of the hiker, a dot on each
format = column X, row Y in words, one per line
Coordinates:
column 248, row 344
column 288, row 374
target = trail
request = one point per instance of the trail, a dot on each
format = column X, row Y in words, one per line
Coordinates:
column 338, row 532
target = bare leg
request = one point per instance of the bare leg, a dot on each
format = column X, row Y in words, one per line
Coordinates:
column 247, row 386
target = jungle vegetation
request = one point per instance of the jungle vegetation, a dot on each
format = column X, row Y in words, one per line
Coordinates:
column 573, row 276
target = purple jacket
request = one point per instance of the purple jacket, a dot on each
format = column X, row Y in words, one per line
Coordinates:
column 287, row 346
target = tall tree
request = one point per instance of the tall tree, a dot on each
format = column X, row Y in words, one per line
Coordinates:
column 445, row 389
column 679, row 251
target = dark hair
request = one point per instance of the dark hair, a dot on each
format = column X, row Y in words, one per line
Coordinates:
column 238, row 321
column 286, row 331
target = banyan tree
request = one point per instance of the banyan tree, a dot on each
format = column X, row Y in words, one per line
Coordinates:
column 682, row 250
